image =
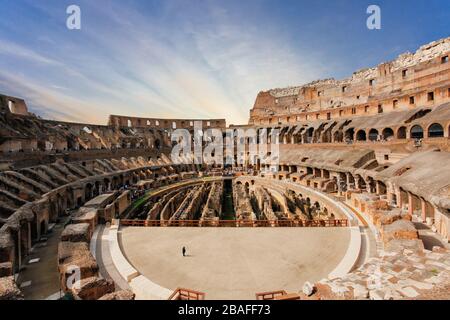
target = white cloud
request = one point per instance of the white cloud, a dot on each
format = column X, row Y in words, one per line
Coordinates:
column 173, row 66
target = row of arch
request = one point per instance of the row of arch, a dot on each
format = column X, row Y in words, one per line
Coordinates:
column 435, row 130
column 334, row 133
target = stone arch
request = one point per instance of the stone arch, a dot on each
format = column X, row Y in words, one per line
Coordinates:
column 416, row 132
column 361, row 135
column 373, row 135
column 387, row 133
column 309, row 135
column 349, row 134
column 157, row 144
column 401, row 133
column 435, row 131
column 88, row 192
column 107, row 183
column 381, row 187
column 337, row 136
column 42, row 228
column 95, row 189
column 34, row 232
column 371, row 185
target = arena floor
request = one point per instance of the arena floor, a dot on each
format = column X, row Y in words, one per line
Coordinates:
column 232, row 263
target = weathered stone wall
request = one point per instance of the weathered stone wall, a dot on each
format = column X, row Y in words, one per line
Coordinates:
column 385, row 88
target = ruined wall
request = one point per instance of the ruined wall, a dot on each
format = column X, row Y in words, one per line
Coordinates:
column 412, row 80
column 13, row 105
column 170, row 124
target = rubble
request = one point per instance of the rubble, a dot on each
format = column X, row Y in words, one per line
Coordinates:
column 9, row 289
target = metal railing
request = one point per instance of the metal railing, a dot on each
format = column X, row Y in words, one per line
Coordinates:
column 236, row 223
column 186, row 294
column 270, row 295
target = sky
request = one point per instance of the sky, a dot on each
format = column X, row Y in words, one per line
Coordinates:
column 194, row 58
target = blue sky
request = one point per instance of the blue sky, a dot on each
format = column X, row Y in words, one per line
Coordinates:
column 194, row 58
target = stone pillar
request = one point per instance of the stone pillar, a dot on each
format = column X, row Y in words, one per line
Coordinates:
column 424, row 210
column 29, row 237
column 377, row 184
column 389, row 196
column 410, row 204
column 357, row 185
column 399, row 199
column 338, row 181
column 368, row 187
column 19, row 249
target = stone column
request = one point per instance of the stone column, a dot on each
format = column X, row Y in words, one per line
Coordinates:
column 29, row 237
column 410, row 204
column 357, row 185
column 424, row 210
column 399, row 199
column 19, row 249
column 338, row 181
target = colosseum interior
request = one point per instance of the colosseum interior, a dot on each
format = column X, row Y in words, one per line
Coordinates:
column 358, row 206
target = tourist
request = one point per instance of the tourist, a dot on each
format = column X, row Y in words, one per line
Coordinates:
column 184, row 251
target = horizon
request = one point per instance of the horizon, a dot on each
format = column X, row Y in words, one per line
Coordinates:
column 170, row 60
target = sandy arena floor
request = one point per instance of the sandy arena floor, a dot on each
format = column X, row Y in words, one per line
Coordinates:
column 233, row 263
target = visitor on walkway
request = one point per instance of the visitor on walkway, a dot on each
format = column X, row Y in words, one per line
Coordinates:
column 184, row 251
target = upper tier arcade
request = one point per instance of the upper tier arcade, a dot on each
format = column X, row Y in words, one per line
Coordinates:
column 411, row 80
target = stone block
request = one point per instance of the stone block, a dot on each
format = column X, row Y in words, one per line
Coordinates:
column 92, row 288
column 308, row 289
column 400, row 229
column 87, row 215
column 330, row 291
column 119, row 295
column 9, row 289
column 75, row 257
column 6, row 269
column 79, row 232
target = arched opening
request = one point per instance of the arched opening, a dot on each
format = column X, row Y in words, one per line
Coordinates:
column 88, row 192
column 373, row 135
column 401, row 133
column 309, row 135
column 349, row 134
column 157, row 144
column 388, row 133
column 361, row 135
column 337, row 136
column 416, row 132
column 34, row 230
column 97, row 189
column 381, row 187
column 42, row 228
column 435, row 131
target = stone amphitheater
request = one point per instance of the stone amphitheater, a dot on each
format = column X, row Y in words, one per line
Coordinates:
column 357, row 206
